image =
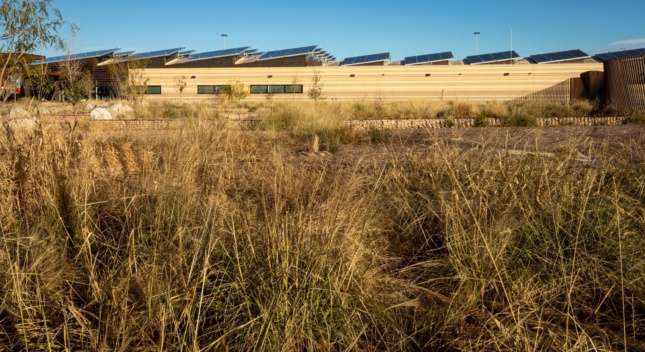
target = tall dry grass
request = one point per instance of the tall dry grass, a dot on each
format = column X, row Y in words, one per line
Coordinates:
column 219, row 239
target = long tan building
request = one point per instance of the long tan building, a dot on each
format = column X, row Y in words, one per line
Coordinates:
column 560, row 82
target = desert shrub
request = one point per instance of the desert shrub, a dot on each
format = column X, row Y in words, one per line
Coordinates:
column 492, row 109
column 305, row 120
column 377, row 136
column 443, row 113
column 176, row 110
column 362, row 110
column 463, row 110
column 581, row 108
column 635, row 116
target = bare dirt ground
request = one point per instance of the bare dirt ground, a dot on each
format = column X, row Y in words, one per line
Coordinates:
column 587, row 141
column 529, row 138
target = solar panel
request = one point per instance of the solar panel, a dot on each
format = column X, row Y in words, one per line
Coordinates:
column 620, row 54
column 78, row 56
column 187, row 52
column 287, row 52
column 422, row 59
column 493, row 57
column 218, row 53
column 357, row 60
column 153, row 54
column 557, row 56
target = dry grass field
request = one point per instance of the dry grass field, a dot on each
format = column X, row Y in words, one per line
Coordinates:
column 306, row 236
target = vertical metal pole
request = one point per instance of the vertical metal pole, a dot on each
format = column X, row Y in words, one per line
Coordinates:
column 477, row 33
column 224, row 35
column 511, row 53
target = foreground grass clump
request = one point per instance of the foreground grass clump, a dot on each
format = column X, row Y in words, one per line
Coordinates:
column 216, row 239
column 512, row 113
column 305, row 121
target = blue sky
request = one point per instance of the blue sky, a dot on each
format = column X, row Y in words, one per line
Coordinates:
column 353, row 28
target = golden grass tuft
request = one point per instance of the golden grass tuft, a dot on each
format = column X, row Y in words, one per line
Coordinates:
column 219, row 239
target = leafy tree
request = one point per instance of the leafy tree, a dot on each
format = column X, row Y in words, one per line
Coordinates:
column 129, row 80
column 76, row 83
column 25, row 26
column 38, row 78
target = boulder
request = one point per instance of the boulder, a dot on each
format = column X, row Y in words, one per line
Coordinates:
column 23, row 124
column 100, row 114
column 120, row 109
column 19, row 113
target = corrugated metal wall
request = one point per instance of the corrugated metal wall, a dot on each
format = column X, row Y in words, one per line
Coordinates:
column 625, row 83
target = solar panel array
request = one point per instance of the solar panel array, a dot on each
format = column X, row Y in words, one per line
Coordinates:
column 153, row 54
column 422, row 59
column 88, row 55
column 357, row 60
column 287, row 52
column 501, row 56
column 620, row 54
column 557, row 56
column 218, row 53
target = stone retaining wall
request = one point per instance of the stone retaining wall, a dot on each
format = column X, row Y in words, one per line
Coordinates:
column 493, row 122
column 161, row 124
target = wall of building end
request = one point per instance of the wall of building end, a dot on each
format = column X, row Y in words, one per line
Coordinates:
column 625, row 83
column 476, row 82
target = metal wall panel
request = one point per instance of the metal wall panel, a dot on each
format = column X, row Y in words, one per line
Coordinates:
column 625, row 83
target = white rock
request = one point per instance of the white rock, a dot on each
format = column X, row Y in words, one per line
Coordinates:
column 24, row 124
column 89, row 106
column 120, row 109
column 100, row 114
column 19, row 113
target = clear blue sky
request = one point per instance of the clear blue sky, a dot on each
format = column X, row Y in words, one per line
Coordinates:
column 352, row 28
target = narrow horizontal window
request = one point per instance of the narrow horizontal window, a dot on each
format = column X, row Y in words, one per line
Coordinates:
column 276, row 89
column 153, row 90
column 211, row 89
column 293, row 88
column 259, row 89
